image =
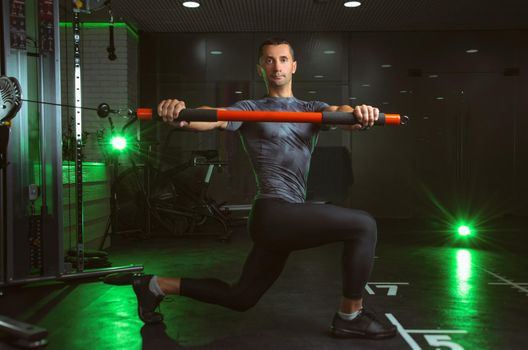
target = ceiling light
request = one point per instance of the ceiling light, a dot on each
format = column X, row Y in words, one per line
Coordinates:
column 365, row 85
column 439, row 98
column 352, row 4
column 352, row 98
column 191, row 4
column 472, row 50
column 318, row 76
column 433, row 75
column 312, row 92
column 215, row 52
column 329, row 52
column 238, row 92
column 403, row 91
column 386, row 65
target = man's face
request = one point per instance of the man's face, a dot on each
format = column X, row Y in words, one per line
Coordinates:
column 277, row 64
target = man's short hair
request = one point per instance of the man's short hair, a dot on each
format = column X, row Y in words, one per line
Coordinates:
column 274, row 41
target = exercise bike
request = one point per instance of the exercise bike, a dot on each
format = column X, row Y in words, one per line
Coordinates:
column 174, row 200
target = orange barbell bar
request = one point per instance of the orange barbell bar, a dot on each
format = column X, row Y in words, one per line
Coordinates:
column 214, row 115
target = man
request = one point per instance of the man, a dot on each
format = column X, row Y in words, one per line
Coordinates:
column 280, row 221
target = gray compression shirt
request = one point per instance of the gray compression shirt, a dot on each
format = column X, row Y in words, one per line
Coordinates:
column 279, row 153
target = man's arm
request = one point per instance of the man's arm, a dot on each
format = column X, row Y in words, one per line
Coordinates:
column 170, row 109
column 365, row 115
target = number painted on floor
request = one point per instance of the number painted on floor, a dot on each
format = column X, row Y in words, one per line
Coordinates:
column 392, row 290
column 442, row 341
column 392, row 287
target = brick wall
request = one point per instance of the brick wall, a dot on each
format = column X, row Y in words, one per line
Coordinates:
column 112, row 82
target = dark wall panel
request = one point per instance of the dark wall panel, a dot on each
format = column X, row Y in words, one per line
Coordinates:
column 460, row 145
column 521, row 128
column 236, row 63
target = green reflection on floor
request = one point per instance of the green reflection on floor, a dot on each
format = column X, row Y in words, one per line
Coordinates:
column 464, row 289
column 463, row 272
column 96, row 316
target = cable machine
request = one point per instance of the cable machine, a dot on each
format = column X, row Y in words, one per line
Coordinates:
column 31, row 220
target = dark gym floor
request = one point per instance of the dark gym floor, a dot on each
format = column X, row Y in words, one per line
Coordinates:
column 440, row 296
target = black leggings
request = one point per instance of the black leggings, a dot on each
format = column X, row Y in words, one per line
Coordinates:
column 277, row 228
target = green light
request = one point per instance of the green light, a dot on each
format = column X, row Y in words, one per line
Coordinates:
column 128, row 26
column 464, row 230
column 119, row 143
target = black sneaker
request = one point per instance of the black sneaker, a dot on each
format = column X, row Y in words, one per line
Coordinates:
column 147, row 301
column 366, row 325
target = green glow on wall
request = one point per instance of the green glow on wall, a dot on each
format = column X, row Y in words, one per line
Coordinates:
column 129, row 27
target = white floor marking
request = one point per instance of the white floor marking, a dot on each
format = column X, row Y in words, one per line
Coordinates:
column 435, row 331
column 518, row 286
column 369, row 290
column 391, row 289
column 414, row 345
column 391, row 286
column 433, row 340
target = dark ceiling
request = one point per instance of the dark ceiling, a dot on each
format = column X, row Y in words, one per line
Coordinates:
column 315, row 15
